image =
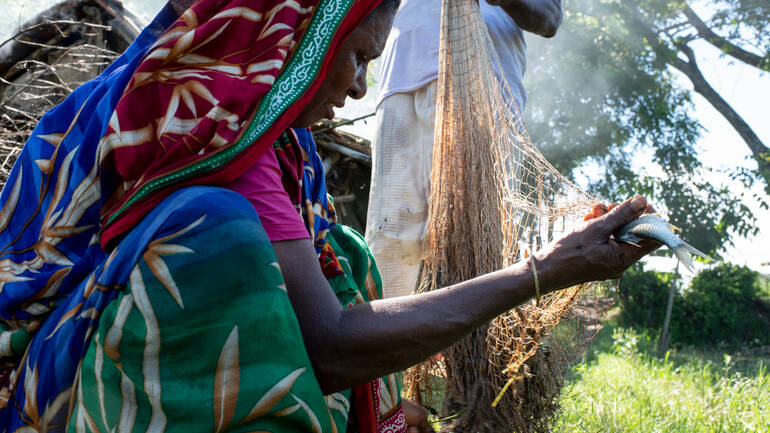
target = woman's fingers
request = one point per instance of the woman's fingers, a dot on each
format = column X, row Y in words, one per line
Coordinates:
column 416, row 417
column 590, row 253
column 631, row 254
column 623, row 214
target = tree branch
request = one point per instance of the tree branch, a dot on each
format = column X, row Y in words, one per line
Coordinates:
column 760, row 152
column 723, row 44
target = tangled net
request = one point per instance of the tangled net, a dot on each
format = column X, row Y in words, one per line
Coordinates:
column 494, row 198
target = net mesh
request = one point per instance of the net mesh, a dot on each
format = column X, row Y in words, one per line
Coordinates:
column 494, row 198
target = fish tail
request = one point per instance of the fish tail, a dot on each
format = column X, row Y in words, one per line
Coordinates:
column 683, row 252
column 695, row 251
column 683, row 255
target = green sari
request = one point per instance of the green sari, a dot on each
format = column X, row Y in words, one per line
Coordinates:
column 213, row 288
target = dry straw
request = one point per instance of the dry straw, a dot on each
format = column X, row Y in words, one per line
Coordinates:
column 48, row 58
column 493, row 198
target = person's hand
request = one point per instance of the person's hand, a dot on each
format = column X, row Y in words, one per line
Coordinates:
column 416, row 418
column 589, row 253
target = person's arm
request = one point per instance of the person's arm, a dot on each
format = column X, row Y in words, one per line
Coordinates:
column 542, row 17
column 351, row 346
column 416, row 417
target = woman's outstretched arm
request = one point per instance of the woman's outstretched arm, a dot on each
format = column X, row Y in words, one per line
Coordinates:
column 351, row 346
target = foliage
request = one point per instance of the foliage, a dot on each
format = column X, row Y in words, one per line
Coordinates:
column 744, row 22
column 606, row 98
column 642, row 297
column 764, row 286
column 722, row 304
column 626, row 390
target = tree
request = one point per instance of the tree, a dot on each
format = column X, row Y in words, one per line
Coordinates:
column 723, row 304
column 605, row 91
column 669, row 28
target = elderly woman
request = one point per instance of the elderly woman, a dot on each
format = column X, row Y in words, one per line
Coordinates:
column 157, row 275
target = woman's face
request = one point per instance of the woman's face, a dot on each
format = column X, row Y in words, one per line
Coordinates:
column 347, row 76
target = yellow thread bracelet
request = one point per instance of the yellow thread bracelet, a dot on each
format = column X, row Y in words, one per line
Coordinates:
column 537, row 282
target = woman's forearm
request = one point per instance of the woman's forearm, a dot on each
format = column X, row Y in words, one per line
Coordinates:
column 351, row 346
column 397, row 333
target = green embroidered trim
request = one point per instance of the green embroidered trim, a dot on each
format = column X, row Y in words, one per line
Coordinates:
column 288, row 87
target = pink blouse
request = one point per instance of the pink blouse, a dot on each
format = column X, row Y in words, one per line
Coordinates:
column 261, row 185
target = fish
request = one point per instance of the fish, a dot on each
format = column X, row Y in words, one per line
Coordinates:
column 652, row 226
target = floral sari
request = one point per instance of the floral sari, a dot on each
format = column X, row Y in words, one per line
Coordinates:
column 134, row 294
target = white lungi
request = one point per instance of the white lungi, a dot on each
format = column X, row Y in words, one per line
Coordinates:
column 400, row 187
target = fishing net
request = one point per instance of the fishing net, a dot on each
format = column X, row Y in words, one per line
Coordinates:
column 494, row 198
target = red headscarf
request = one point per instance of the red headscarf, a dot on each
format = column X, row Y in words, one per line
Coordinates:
column 214, row 92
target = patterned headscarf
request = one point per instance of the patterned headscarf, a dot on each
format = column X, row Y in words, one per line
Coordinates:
column 231, row 75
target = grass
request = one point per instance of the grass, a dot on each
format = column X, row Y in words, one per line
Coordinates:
column 623, row 387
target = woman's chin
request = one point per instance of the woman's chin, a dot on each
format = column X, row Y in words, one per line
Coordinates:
column 306, row 120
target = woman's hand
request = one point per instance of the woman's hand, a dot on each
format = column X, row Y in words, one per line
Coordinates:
column 416, row 418
column 589, row 253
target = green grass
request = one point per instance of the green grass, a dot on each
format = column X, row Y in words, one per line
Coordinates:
column 623, row 387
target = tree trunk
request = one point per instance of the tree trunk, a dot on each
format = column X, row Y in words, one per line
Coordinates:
column 664, row 336
column 658, row 39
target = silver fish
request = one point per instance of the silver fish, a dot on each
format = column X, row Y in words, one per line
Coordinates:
column 652, row 226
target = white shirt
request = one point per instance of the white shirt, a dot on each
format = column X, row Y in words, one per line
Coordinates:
column 410, row 58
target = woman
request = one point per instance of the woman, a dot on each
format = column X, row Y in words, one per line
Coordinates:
column 138, row 295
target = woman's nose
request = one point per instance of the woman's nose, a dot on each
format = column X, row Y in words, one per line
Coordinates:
column 358, row 89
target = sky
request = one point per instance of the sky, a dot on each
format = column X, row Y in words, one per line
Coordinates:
column 745, row 89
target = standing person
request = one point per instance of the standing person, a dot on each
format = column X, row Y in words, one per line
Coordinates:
column 406, row 106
